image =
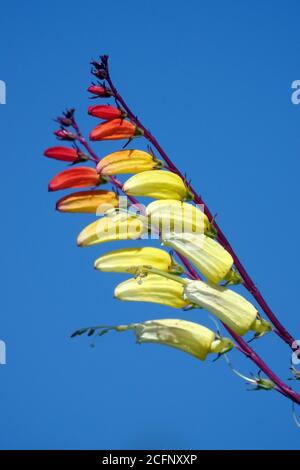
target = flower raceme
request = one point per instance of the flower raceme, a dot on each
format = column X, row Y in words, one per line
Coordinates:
column 213, row 261
column 153, row 288
column 65, row 154
column 127, row 161
column 189, row 337
column 79, row 177
column 115, row 129
column 95, row 202
column 157, row 184
column 106, row 112
column 120, row 261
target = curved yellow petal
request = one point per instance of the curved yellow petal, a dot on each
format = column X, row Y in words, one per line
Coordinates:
column 231, row 308
column 117, row 227
column 175, row 216
column 158, row 184
column 205, row 253
column 154, row 289
column 127, row 161
column 123, row 259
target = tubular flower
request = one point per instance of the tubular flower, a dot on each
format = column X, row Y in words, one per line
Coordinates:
column 115, row 129
column 95, row 202
column 230, row 307
column 65, row 154
column 176, row 216
column 127, row 161
column 106, row 112
column 206, row 254
column 110, row 228
column 123, row 260
column 158, row 184
column 80, row 177
column 189, row 337
column 154, row 289
column 100, row 91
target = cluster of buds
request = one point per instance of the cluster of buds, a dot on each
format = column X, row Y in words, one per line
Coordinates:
column 172, row 217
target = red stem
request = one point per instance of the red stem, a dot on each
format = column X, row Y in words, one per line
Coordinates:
column 247, row 281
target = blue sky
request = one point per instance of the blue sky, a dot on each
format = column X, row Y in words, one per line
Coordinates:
column 212, row 80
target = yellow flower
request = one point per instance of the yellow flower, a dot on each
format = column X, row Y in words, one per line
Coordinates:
column 110, row 228
column 231, row 308
column 158, row 184
column 206, row 254
column 127, row 161
column 96, row 202
column 189, row 337
column 154, row 289
column 170, row 215
column 123, row 259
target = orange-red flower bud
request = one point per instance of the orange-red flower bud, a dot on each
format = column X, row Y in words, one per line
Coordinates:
column 80, row 177
column 114, row 130
column 64, row 154
column 63, row 134
column 106, row 112
column 100, row 91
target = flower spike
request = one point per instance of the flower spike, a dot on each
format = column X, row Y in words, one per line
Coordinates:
column 127, row 161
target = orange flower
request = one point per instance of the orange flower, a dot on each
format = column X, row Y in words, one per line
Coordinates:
column 94, row 202
column 80, row 177
column 114, row 130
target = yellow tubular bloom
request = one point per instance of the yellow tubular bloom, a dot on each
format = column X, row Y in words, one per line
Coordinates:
column 158, row 184
column 110, row 228
column 189, row 337
column 154, row 289
column 122, row 260
column 230, row 307
column 206, row 254
column 127, row 161
column 176, row 216
column 95, row 202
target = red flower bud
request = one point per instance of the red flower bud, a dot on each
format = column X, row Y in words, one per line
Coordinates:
column 64, row 154
column 105, row 112
column 63, row 134
column 114, row 130
column 80, row 177
column 100, row 91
